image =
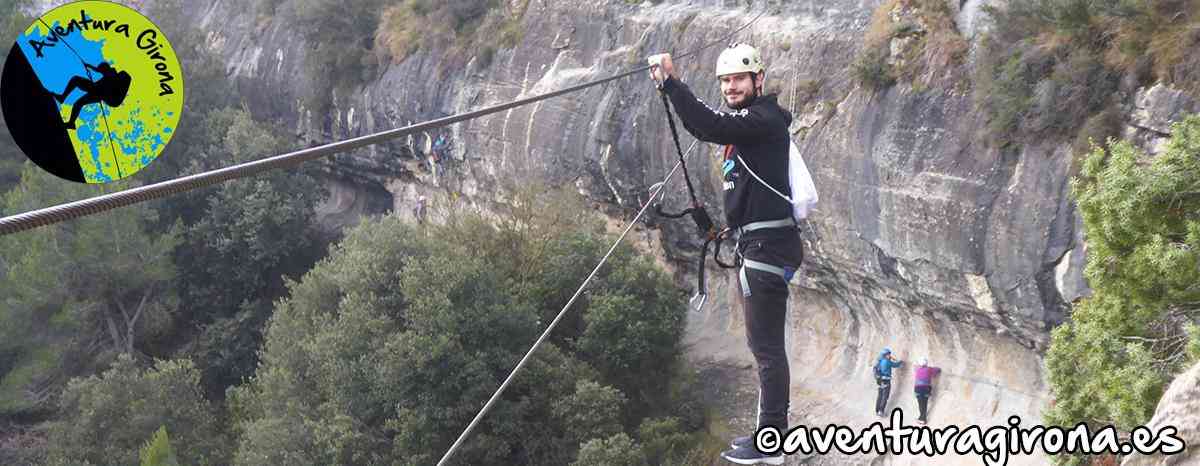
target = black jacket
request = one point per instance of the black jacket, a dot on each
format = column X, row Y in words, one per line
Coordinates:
column 759, row 133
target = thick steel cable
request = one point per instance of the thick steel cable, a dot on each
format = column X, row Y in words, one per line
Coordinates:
column 62, row 212
column 511, row 375
column 94, row 205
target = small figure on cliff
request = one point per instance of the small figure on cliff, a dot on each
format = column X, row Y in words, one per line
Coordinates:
column 923, row 386
column 412, row 146
column 756, row 131
column 883, row 378
column 439, row 146
column 419, row 210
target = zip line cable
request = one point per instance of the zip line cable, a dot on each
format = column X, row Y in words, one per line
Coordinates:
column 93, row 205
column 89, row 206
column 495, row 396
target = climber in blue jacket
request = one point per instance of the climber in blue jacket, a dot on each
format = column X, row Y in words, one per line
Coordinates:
column 883, row 378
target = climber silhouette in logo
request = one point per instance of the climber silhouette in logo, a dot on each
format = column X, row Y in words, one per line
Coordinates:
column 110, row 89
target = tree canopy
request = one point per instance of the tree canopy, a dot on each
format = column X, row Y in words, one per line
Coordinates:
column 385, row 351
column 1111, row 363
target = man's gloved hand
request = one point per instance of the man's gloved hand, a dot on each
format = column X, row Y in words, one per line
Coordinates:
column 661, row 67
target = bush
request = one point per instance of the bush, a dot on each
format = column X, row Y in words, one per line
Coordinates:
column 340, row 37
column 1047, row 66
column 618, row 450
column 1078, row 87
column 931, row 50
column 157, row 451
column 1095, row 132
column 463, row 25
column 108, row 418
column 1111, row 363
column 663, row 440
column 871, row 70
column 386, row 349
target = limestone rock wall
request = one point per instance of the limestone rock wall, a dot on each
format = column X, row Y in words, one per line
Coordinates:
column 927, row 239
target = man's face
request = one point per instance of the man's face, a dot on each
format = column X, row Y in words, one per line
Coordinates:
column 738, row 89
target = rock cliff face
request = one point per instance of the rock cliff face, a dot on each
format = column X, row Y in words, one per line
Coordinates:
column 1178, row 409
column 926, row 239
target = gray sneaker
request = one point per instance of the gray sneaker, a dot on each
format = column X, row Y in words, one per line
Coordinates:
column 751, row 456
column 742, row 442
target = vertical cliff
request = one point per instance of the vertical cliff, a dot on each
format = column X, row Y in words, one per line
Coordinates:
column 929, row 239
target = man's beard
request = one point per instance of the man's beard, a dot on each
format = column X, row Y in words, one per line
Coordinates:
column 746, row 101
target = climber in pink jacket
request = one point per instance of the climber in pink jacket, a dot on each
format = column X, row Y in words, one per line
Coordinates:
column 924, row 386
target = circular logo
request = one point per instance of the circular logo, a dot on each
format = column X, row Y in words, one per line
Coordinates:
column 92, row 91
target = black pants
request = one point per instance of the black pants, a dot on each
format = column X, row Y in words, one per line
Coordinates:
column 885, row 389
column 923, row 393
column 765, row 311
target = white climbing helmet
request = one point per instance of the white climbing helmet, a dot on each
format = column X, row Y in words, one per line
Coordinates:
column 739, row 58
column 924, row 361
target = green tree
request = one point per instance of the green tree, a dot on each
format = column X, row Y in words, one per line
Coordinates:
column 252, row 230
column 1111, row 363
column 663, row 440
column 77, row 291
column 386, row 349
column 340, row 36
column 107, row 418
column 594, row 411
column 634, row 324
column 242, row 239
column 157, row 451
column 629, row 323
column 617, row 450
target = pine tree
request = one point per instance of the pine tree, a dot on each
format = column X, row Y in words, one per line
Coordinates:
column 1141, row 214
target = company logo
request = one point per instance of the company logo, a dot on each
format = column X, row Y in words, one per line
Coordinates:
column 92, row 91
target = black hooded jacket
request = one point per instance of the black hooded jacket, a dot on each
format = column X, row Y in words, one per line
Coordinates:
column 759, row 133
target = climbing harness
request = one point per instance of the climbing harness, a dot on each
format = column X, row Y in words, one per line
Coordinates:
column 709, row 233
column 705, row 228
column 739, row 58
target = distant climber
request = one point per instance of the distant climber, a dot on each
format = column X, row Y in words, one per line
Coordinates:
column 756, row 131
column 442, row 151
column 439, row 145
column 923, row 386
column 438, row 155
column 412, row 148
column 419, row 210
column 883, row 378
column 110, row 89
